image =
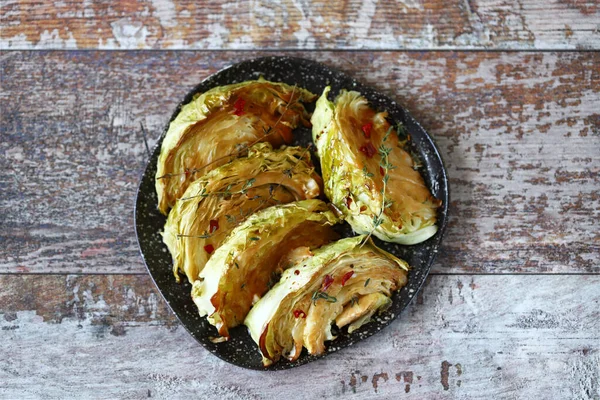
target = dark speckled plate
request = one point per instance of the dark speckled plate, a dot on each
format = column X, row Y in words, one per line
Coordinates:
column 241, row 350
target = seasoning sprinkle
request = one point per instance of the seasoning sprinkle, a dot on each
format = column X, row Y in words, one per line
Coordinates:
column 347, row 276
column 238, row 107
column 299, row 313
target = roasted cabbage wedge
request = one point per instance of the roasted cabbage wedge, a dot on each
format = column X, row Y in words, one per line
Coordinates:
column 220, row 200
column 218, row 125
column 367, row 173
column 344, row 282
column 250, row 260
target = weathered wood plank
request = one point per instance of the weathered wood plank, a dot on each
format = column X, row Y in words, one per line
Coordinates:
column 476, row 337
column 519, row 133
column 290, row 24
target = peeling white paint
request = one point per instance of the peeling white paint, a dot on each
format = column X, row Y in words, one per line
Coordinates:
column 89, row 13
column 166, row 13
column 129, row 34
column 48, row 40
column 53, row 39
column 15, row 153
column 110, row 44
column 410, row 5
column 303, row 36
column 360, row 27
column 242, row 42
column 264, row 14
column 216, row 40
column 16, row 42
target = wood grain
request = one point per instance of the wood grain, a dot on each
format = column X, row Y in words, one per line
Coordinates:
column 519, row 133
column 291, row 24
column 465, row 337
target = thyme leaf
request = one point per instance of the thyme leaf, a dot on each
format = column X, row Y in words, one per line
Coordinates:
column 205, row 235
column 322, row 295
column 247, row 185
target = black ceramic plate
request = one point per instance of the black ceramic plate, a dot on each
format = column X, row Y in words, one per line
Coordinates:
column 241, row 350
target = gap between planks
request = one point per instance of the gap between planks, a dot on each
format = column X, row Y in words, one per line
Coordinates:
column 430, row 274
column 296, row 50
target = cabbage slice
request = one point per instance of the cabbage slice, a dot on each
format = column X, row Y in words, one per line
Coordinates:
column 222, row 199
column 219, row 125
column 344, row 282
column 250, row 260
column 367, row 173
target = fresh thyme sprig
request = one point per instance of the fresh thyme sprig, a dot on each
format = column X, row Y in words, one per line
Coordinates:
column 384, row 153
column 242, row 148
column 223, row 193
column 205, row 235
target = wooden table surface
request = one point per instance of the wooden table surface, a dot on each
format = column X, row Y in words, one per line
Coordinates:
column 510, row 91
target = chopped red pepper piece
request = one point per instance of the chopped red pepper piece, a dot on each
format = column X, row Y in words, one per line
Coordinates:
column 327, row 281
column 214, row 225
column 381, row 171
column 368, row 150
column 347, row 276
column 209, row 248
column 299, row 313
column 348, row 201
column 238, row 106
column 366, row 128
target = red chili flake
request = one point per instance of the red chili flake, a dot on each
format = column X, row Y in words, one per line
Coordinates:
column 327, row 281
column 347, row 276
column 209, row 248
column 368, row 150
column 348, row 201
column 297, row 272
column 299, row 313
column 363, row 208
column 187, row 172
column 366, row 128
column 381, row 171
column 238, row 106
column 214, row 225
